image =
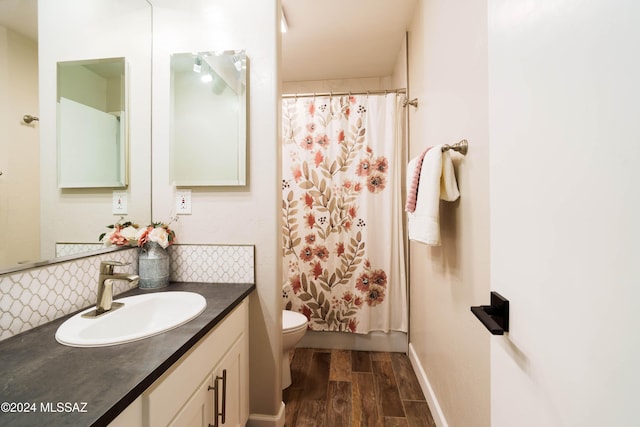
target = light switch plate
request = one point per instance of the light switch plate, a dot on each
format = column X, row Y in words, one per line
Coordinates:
column 119, row 203
column 183, row 202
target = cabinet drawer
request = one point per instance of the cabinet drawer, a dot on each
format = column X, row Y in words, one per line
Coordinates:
column 164, row 399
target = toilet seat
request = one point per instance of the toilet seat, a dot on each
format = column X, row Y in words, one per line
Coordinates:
column 293, row 321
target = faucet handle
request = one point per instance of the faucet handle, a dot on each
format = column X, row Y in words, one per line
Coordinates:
column 106, row 267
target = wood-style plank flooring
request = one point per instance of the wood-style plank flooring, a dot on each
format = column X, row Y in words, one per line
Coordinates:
column 334, row 388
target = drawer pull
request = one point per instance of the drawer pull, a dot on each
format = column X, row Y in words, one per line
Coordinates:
column 216, row 412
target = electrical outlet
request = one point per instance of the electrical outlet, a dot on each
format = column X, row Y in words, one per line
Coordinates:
column 119, row 203
column 183, row 202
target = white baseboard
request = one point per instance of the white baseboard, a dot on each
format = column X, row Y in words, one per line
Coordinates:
column 432, row 401
column 261, row 420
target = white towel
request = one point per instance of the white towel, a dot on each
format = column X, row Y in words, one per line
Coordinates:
column 437, row 182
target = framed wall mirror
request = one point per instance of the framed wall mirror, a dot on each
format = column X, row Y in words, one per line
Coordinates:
column 92, row 137
column 208, row 118
column 35, row 36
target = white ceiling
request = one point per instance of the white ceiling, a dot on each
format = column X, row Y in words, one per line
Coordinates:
column 339, row 39
column 327, row 39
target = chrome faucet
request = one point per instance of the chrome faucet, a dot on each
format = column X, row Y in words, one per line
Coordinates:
column 105, row 285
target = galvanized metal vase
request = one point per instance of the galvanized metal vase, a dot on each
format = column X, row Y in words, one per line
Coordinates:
column 153, row 266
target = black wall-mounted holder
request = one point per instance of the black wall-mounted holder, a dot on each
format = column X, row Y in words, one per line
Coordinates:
column 494, row 317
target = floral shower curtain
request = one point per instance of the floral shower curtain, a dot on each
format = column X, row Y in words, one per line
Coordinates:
column 342, row 212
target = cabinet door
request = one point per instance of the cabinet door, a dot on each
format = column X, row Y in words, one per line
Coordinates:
column 232, row 391
column 198, row 411
column 171, row 392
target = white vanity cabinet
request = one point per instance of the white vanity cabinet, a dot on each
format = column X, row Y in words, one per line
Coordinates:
column 213, row 375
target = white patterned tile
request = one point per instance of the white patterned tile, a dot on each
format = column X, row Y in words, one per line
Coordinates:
column 66, row 292
column 51, row 299
column 42, row 308
column 5, row 284
column 57, row 287
column 34, row 301
column 5, row 303
column 16, row 308
column 5, row 320
column 34, row 319
column 25, row 296
column 41, row 275
column 212, row 263
column 16, row 291
column 26, row 312
column 59, row 301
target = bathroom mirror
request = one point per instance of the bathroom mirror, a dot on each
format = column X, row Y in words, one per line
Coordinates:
column 42, row 221
column 92, row 123
column 208, row 118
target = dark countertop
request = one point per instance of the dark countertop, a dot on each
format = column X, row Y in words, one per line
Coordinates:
column 94, row 385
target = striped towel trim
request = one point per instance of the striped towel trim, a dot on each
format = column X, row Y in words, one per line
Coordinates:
column 412, row 193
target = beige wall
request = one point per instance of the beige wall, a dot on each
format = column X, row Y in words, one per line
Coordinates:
column 448, row 74
column 19, row 149
column 245, row 215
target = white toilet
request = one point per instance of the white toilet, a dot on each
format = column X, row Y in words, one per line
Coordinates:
column 294, row 326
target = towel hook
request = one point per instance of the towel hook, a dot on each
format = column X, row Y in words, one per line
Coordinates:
column 461, row 147
column 28, row 118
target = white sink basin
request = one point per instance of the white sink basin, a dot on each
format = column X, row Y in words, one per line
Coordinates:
column 141, row 316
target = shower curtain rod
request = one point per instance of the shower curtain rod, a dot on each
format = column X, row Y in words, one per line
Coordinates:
column 368, row 92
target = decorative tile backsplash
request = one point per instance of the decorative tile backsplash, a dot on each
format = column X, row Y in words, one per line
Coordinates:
column 215, row 264
column 36, row 296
